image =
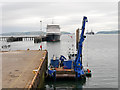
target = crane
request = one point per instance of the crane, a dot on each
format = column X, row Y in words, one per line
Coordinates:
column 78, row 68
column 66, row 66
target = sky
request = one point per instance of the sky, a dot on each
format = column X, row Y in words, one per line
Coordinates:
column 26, row 16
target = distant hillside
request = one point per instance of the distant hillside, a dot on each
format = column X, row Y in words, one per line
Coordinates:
column 27, row 33
column 22, row 33
column 109, row 32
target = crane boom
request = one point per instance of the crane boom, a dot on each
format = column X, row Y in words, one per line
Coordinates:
column 78, row 68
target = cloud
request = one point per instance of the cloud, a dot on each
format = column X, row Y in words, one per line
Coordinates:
column 27, row 16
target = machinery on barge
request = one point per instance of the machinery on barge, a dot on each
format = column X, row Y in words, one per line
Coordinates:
column 61, row 67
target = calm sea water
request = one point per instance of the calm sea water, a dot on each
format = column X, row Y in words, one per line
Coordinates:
column 99, row 51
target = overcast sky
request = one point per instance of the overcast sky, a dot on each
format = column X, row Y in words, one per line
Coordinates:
column 22, row 17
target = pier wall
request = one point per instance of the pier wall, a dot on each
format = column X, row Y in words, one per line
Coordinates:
column 39, row 77
column 14, row 39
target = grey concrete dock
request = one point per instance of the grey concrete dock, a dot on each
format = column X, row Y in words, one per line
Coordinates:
column 18, row 66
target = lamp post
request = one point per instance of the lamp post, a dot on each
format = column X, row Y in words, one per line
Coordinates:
column 41, row 26
column 41, row 34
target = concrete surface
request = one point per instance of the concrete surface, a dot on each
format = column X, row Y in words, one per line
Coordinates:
column 18, row 66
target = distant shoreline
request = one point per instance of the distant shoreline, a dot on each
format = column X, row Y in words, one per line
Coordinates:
column 109, row 32
column 28, row 33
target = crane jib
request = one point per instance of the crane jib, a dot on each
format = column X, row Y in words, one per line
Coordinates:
column 78, row 60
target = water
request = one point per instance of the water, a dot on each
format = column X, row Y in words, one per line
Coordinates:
column 102, row 56
column 99, row 51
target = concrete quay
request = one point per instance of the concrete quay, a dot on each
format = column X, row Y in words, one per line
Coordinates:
column 24, row 68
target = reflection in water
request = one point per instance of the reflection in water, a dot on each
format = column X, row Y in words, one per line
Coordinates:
column 64, row 84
